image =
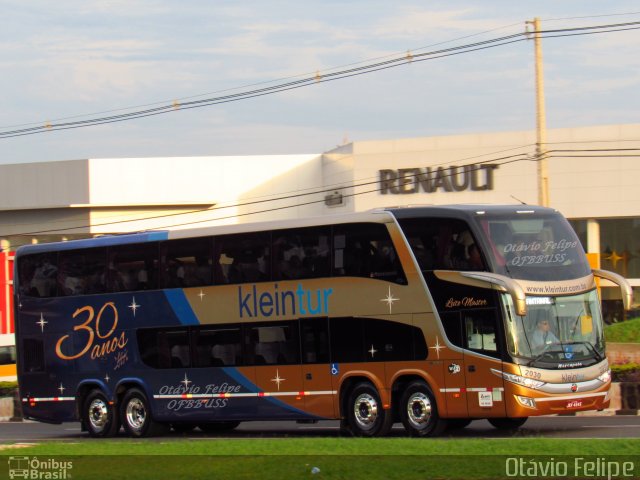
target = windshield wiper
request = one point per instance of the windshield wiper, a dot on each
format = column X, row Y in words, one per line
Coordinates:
column 535, row 359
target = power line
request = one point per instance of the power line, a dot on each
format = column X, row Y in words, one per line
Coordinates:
column 588, row 153
column 308, row 81
column 506, row 160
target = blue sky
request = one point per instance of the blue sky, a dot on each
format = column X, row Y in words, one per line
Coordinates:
column 69, row 58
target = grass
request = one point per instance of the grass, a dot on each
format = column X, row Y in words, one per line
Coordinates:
column 623, row 332
column 331, row 458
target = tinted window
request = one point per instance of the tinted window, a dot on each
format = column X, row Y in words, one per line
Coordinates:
column 218, row 347
column 242, row 258
column 301, row 253
column 452, row 327
column 82, row 271
column 442, row 243
column 389, row 341
column 164, row 348
column 347, row 340
column 366, row 250
column 274, row 344
column 314, row 336
column 187, row 263
column 133, row 267
column 37, row 274
column 148, row 346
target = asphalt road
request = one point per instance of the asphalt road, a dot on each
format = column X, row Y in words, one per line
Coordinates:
column 549, row 427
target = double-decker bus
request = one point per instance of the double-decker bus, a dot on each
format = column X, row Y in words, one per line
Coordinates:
column 429, row 316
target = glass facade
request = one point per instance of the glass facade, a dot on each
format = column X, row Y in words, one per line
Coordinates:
column 619, row 252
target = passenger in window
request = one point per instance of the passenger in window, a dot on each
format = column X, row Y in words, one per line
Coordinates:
column 474, row 258
column 293, row 268
column 43, row 280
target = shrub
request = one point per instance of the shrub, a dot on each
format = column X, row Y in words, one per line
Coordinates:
column 629, row 372
column 7, row 389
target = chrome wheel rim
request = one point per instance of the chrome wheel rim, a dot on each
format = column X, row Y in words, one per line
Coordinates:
column 136, row 414
column 419, row 410
column 365, row 410
column 98, row 414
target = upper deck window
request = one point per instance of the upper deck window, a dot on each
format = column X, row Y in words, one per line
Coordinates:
column 443, row 244
column 366, row 250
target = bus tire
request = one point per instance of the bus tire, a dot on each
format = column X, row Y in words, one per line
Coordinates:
column 507, row 423
column 218, row 427
column 136, row 416
column 419, row 411
column 99, row 416
column 365, row 415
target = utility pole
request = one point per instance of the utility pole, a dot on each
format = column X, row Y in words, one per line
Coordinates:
column 541, row 122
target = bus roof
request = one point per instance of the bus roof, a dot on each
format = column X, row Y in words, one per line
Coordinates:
column 382, row 215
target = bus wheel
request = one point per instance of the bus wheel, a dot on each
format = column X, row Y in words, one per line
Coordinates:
column 136, row 415
column 100, row 418
column 365, row 415
column 419, row 411
column 507, row 423
column 217, row 427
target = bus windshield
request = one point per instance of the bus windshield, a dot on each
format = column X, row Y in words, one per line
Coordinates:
column 534, row 247
column 556, row 330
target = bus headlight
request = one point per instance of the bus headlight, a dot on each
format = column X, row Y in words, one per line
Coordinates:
column 524, row 381
column 526, row 401
column 605, row 377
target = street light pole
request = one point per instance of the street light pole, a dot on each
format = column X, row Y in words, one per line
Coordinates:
column 541, row 122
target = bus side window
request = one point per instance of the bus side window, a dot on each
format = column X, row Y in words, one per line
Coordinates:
column 278, row 344
column 366, row 250
column 178, row 346
column 82, row 272
column 133, row 267
column 301, row 253
column 314, row 334
column 480, row 330
column 243, row 258
column 37, row 275
column 187, row 262
column 452, row 327
column 218, row 347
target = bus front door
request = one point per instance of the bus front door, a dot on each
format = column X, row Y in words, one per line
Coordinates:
column 485, row 389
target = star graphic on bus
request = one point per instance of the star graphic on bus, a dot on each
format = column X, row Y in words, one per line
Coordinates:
column 372, row 351
column 61, row 388
column 186, row 382
column 389, row 299
column 134, row 306
column 278, row 379
column 201, row 294
column 437, row 347
column 42, row 322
